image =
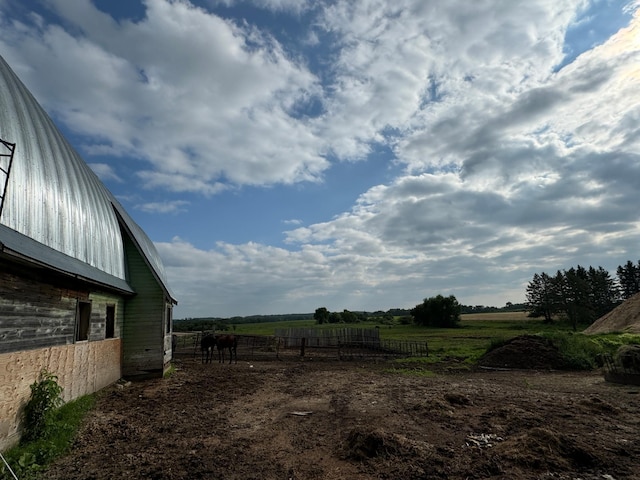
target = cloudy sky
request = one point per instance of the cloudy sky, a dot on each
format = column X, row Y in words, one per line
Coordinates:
column 286, row 155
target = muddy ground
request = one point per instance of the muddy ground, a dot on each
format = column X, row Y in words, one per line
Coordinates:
column 329, row 419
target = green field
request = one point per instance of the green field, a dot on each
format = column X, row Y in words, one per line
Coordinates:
column 475, row 334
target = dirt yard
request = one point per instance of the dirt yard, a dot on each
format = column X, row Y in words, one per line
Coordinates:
column 326, row 419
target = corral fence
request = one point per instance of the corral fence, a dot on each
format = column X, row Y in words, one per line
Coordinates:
column 338, row 343
column 249, row 346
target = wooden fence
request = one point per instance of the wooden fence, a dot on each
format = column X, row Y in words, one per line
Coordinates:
column 340, row 343
column 334, row 337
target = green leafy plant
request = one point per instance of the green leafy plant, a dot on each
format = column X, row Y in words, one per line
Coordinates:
column 580, row 352
column 39, row 410
column 29, row 458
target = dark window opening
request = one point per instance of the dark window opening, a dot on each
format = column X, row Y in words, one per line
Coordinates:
column 110, row 327
column 168, row 319
column 83, row 320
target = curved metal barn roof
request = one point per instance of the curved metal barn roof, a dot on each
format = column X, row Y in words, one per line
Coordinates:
column 54, row 198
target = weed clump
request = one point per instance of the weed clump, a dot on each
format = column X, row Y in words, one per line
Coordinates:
column 46, row 397
column 49, row 426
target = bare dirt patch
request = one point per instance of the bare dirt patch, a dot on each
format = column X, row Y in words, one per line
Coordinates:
column 351, row 420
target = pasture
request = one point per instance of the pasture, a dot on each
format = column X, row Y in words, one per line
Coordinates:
column 461, row 346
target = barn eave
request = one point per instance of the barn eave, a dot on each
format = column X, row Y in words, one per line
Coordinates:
column 24, row 249
column 146, row 249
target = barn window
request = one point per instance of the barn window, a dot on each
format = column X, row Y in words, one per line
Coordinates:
column 82, row 323
column 110, row 324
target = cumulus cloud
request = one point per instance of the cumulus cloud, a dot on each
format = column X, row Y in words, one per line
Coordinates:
column 196, row 96
column 105, row 172
column 540, row 176
column 176, row 206
column 516, row 159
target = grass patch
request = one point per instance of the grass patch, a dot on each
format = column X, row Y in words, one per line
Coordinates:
column 31, row 457
column 170, row 371
column 580, row 352
column 476, row 334
column 585, row 352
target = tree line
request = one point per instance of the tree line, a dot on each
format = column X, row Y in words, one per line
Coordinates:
column 323, row 315
column 436, row 311
column 581, row 294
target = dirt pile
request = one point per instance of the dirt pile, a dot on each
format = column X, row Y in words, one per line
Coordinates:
column 527, row 351
column 625, row 318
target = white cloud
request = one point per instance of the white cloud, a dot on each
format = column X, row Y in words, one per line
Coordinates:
column 295, row 6
column 541, row 183
column 176, row 206
column 293, row 221
column 198, row 97
column 512, row 166
column 105, row 172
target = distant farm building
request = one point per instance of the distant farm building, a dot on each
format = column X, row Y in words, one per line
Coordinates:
column 83, row 292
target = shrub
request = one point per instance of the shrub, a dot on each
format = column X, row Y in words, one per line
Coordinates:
column 38, row 412
column 437, row 311
column 578, row 351
column 29, row 458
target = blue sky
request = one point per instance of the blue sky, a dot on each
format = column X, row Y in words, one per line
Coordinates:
column 286, row 155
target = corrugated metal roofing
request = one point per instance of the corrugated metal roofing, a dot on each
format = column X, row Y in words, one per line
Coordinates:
column 16, row 244
column 54, row 198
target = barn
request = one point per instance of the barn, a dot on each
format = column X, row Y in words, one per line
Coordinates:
column 83, row 291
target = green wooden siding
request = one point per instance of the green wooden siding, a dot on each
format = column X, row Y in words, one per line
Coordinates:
column 143, row 327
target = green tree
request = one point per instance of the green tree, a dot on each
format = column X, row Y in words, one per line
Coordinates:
column 321, row 316
column 575, row 296
column 349, row 317
column 541, row 293
column 579, row 293
column 437, row 311
column 629, row 279
column 604, row 292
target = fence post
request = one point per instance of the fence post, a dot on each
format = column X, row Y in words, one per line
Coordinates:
column 302, row 344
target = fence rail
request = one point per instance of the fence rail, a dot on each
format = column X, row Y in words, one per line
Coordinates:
column 328, row 337
column 358, row 343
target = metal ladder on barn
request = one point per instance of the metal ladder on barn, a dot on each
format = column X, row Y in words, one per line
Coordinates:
column 6, row 159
